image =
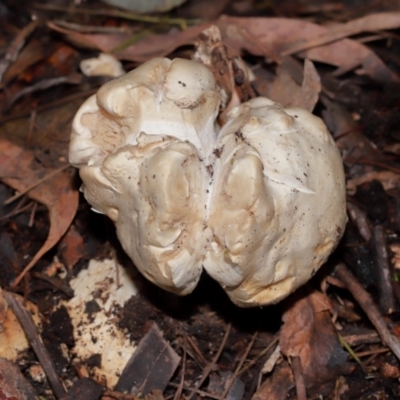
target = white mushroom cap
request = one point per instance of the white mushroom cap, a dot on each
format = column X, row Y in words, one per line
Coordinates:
column 278, row 206
column 139, row 143
column 260, row 204
column 176, row 98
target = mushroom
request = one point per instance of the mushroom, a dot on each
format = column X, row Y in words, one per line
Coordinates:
column 259, row 203
column 278, row 207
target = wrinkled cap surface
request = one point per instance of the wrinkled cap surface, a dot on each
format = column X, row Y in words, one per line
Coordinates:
column 278, row 206
column 259, row 204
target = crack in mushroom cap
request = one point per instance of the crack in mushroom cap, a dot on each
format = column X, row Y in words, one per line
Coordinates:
column 260, row 204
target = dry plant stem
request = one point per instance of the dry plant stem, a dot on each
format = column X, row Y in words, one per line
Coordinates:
column 32, row 122
column 386, row 297
column 18, row 209
column 367, row 304
column 360, row 218
column 16, row 46
column 49, row 106
column 179, row 390
column 202, row 393
column 299, row 378
column 92, row 28
column 367, row 338
column 120, row 14
column 26, row 321
column 32, row 215
column 374, row 163
column 56, row 282
column 242, row 360
column 368, row 353
column 262, row 353
column 212, row 365
column 74, row 79
column 336, row 282
column 17, row 196
column 192, row 343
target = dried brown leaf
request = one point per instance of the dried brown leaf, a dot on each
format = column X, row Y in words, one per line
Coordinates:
column 309, row 333
column 285, row 90
column 57, row 193
column 368, row 23
column 150, row 46
column 72, row 247
column 273, row 37
column 277, row 386
column 270, row 37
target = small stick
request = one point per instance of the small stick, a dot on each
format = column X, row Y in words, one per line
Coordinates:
column 15, row 47
column 367, row 304
column 26, row 321
column 197, row 351
column 262, row 353
column 213, row 363
column 179, row 390
column 360, row 218
column 32, row 215
column 121, row 14
column 49, row 106
column 38, row 182
column 242, row 360
column 202, row 393
column 386, row 297
column 299, row 378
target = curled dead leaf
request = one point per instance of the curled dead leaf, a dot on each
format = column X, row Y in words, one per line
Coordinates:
column 57, row 193
column 309, row 333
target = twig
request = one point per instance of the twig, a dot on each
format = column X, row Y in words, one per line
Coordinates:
column 202, row 393
column 73, row 79
column 26, row 321
column 49, row 106
column 352, row 353
column 360, row 218
column 197, row 351
column 15, row 47
column 121, row 14
column 372, row 352
column 92, row 28
column 363, row 338
column 18, row 209
column 32, row 215
column 386, row 296
column 372, row 162
column 262, row 353
column 58, row 283
column 298, row 378
column 38, row 182
column 179, row 390
column 367, row 304
column 242, row 360
column 32, row 123
column 213, row 363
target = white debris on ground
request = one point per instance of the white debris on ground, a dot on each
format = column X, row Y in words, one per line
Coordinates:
column 95, row 327
column 103, row 65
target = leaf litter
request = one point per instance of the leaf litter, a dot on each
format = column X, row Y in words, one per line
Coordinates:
column 315, row 63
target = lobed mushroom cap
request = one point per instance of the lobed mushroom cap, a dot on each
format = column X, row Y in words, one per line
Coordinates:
column 278, row 207
column 260, row 203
